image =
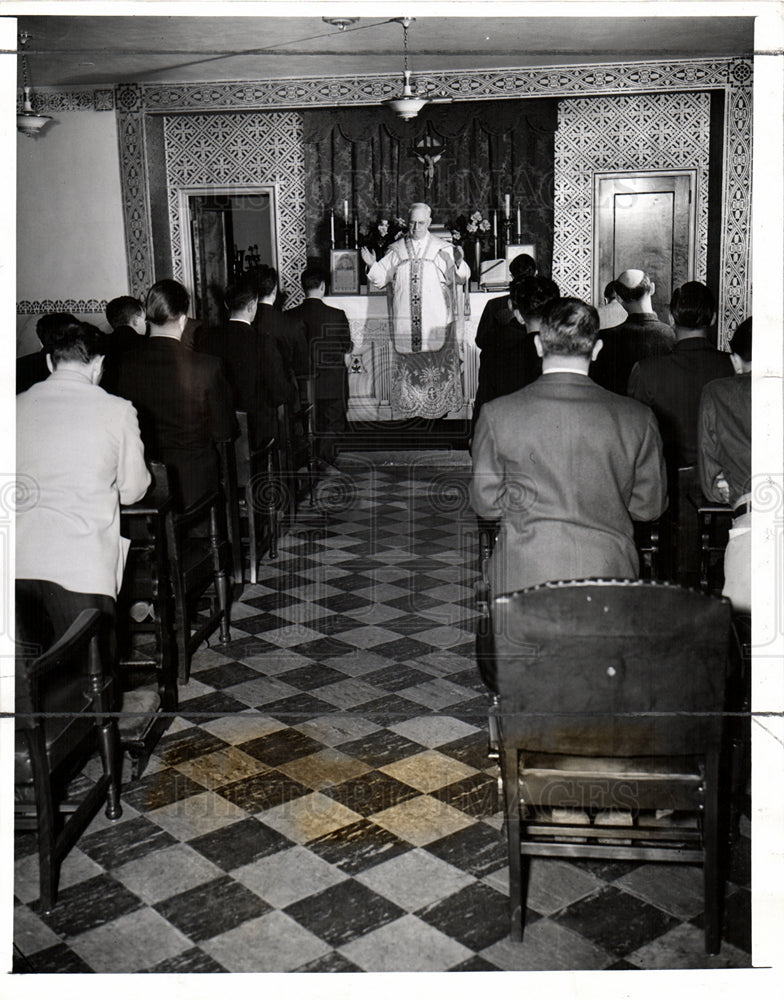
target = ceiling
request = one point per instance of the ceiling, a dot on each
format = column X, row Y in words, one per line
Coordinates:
column 82, row 50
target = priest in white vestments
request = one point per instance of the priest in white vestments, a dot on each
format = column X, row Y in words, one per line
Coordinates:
column 427, row 282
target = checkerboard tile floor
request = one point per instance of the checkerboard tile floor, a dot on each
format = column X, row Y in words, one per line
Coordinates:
column 323, row 800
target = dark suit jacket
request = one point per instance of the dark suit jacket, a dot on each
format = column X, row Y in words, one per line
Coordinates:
column 329, row 339
column 120, row 340
column 184, row 406
column 31, row 368
column 672, row 386
column 565, row 465
column 495, row 313
column 289, row 335
column 643, row 335
column 508, row 359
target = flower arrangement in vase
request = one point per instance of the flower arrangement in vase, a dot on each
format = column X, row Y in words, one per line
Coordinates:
column 473, row 233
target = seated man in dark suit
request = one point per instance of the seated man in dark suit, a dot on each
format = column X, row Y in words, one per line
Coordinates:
column 32, row 368
column 287, row 332
column 329, row 341
column 641, row 335
column 183, row 400
column 125, row 315
column 509, row 361
column 252, row 363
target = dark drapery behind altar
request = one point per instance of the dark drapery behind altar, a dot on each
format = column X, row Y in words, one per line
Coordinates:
column 365, row 156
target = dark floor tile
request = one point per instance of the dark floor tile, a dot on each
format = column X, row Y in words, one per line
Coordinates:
column 315, row 675
column 605, row 869
column 615, row 920
column 287, row 581
column 472, row 710
column 476, row 795
column 475, row 964
column 126, row 841
column 249, row 645
column 259, row 624
column 192, row 960
column 263, row 791
column 281, row 747
column 58, row 958
column 344, row 602
column 333, row 962
column 239, row 843
column 212, row 908
column 296, row 708
column 466, row 649
column 478, row 849
column 398, row 675
column 404, row 648
column 343, row 912
column 25, row 842
column 88, row 904
column 470, row 679
column 476, row 916
column 352, row 581
column 209, row 707
column 160, row 789
column 358, row 846
column 271, row 602
column 736, row 925
column 621, row 964
column 380, row 748
column 371, row 793
column 410, row 624
column 470, row 750
column 334, row 624
column 174, row 748
column 390, row 709
column 225, row 675
column 320, row 649
column 412, row 603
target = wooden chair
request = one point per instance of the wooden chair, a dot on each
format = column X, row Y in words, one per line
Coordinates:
column 261, row 494
column 63, row 697
column 148, row 707
column 297, row 463
column 227, row 453
column 715, row 521
column 611, row 695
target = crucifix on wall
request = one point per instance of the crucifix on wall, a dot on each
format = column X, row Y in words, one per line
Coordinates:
column 428, row 150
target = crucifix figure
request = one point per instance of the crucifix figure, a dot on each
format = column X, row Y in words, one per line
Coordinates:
column 428, row 150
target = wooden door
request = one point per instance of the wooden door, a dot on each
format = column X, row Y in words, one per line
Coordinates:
column 646, row 221
column 211, row 238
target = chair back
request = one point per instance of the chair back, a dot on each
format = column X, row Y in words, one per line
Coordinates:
column 608, row 668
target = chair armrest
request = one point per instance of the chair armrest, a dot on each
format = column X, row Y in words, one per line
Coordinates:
column 83, row 628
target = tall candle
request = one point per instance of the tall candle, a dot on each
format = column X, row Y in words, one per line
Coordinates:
column 507, row 205
column 332, row 227
column 519, row 225
column 356, row 231
column 345, row 210
column 495, row 223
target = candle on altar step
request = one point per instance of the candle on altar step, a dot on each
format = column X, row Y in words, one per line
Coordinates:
column 507, row 205
column 332, row 227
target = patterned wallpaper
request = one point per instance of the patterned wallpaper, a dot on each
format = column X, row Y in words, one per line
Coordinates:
column 622, row 132
column 242, row 149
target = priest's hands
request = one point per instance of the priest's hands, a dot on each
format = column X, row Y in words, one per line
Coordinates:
column 368, row 256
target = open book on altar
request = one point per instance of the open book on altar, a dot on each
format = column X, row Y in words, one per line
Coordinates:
column 494, row 275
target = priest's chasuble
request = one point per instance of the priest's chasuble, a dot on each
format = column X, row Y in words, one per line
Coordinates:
column 426, row 306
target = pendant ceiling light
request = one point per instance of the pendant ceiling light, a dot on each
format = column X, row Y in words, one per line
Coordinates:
column 27, row 121
column 407, row 105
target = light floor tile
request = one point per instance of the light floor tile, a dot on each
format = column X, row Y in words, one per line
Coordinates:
column 678, row 889
column 375, row 614
column 76, row 867
column 437, row 694
column 325, row 768
column 272, row 943
column 347, row 694
column 422, row 820
column 136, row 941
column 547, row 947
column 332, row 730
column 405, row 945
column 554, row 884
column 285, row 877
column 196, row 815
column 30, row 932
column 428, row 771
column 445, row 636
column 291, row 635
column 369, row 636
column 300, row 611
column 242, row 727
column 432, row 731
column 684, row 948
column 308, row 817
column 166, row 873
column 415, row 879
column 213, row 770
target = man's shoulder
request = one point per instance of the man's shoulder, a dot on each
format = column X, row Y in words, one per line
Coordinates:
column 731, row 387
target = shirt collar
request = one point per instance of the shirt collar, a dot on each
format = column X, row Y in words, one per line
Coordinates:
column 69, row 375
column 565, row 371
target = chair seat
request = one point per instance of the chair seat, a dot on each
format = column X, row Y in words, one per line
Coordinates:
column 66, row 695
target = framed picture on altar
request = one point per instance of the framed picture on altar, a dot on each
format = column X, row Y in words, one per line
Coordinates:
column 344, row 272
column 514, row 250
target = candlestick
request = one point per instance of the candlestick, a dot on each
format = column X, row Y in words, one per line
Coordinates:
column 507, row 205
column 519, row 225
column 332, row 228
column 356, row 232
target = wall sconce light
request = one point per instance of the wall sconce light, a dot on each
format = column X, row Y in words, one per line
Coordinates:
column 27, row 121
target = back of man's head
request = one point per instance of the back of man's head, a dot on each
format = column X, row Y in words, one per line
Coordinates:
column 632, row 285
column 531, row 294
column 523, row 266
column 123, row 310
column 740, row 343
column 167, row 300
column 240, row 295
column 266, row 280
column 569, row 328
column 80, row 342
column 48, row 326
column 610, row 292
column 693, row 306
column 313, row 277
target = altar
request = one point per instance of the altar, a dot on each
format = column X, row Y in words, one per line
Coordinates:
column 370, row 367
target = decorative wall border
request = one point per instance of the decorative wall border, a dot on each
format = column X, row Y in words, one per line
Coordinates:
column 39, row 307
column 136, row 102
column 48, row 102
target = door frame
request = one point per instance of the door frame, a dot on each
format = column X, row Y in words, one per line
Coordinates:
column 603, row 175
column 184, row 194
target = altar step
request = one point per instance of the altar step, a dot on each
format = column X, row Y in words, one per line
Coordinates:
column 405, row 435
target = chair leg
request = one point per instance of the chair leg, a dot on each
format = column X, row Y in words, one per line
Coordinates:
column 512, row 812
column 712, row 873
column 48, row 862
column 252, row 544
column 221, row 582
column 112, row 764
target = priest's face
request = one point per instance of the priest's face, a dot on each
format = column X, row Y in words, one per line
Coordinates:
column 418, row 223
